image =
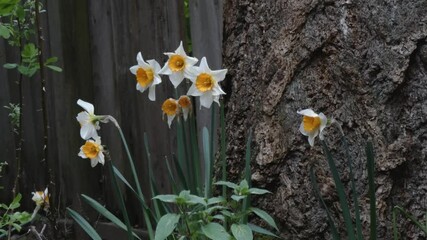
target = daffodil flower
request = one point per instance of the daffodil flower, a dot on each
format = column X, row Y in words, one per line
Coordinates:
column 170, row 108
column 147, row 76
column 185, row 104
column 312, row 124
column 89, row 122
column 205, row 83
column 41, row 198
column 93, row 150
column 177, row 65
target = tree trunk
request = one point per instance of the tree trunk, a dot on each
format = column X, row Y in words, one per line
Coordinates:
column 363, row 63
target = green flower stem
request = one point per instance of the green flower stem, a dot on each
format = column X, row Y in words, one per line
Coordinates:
column 135, row 176
column 119, row 196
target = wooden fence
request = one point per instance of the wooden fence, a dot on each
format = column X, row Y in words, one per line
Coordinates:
column 96, row 43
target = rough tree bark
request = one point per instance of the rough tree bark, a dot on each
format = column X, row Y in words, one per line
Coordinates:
column 362, row 62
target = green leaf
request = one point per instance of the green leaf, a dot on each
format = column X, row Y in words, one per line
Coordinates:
column 54, row 68
column 4, row 32
column 242, row 232
column 193, row 199
column 261, row 230
column 7, row 6
column 166, row 226
column 10, row 65
column 22, row 217
column 29, row 51
column 15, row 203
column 228, row 184
column 207, row 158
column 107, row 214
column 265, row 216
column 258, row 191
column 215, row 231
column 169, row 198
column 84, row 224
column 238, row 197
column 51, row 60
column 216, row 200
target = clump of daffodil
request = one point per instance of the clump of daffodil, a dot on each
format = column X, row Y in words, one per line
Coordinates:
column 41, row 198
column 312, row 125
column 147, row 76
column 93, row 150
column 89, row 122
column 170, row 108
column 177, row 65
column 185, row 104
column 205, row 83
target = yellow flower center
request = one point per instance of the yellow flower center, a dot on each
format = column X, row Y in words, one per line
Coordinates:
column 204, row 82
column 176, row 63
column 184, row 101
column 91, row 149
column 311, row 123
column 170, row 107
column 144, row 76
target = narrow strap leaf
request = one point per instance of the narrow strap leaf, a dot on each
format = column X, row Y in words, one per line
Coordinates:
column 84, row 224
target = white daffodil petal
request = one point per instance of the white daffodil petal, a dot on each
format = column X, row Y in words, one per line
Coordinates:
column 308, row 112
column 302, row 130
column 157, row 80
column 83, row 117
column 204, row 66
column 180, row 50
column 185, row 112
column 192, row 91
column 152, row 93
column 81, row 154
column 176, row 78
column 166, row 70
column 154, row 65
column 217, row 90
column 87, row 131
column 139, row 59
column 219, row 75
column 86, row 106
column 191, row 61
column 311, row 140
column 323, row 123
column 133, row 69
column 101, row 158
column 216, row 99
column 206, row 99
column 191, row 73
column 170, row 119
column 94, row 162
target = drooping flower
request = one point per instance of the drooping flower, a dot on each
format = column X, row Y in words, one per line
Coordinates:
column 177, row 65
column 147, row 75
column 312, row 124
column 185, row 104
column 205, row 83
column 94, row 151
column 170, row 108
column 89, row 122
column 41, row 198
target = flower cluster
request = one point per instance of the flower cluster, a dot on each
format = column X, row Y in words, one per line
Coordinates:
column 205, row 82
column 41, row 198
column 89, row 124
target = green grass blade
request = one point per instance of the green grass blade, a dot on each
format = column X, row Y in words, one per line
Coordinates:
column 136, row 179
column 371, row 182
column 354, row 191
column 195, row 153
column 190, row 166
column 223, row 150
column 180, row 160
column 341, row 193
column 247, row 176
column 313, row 179
column 148, row 214
column 171, row 177
column 208, row 170
column 120, row 199
column 397, row 209
column 104, row 212
column 180, row 171
column 84, row 224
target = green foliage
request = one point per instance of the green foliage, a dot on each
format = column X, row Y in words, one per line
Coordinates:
column 199, row 218
column 412, row 218
column 12, row 219
column 84, row 224
column 345, row 206
column 14, row 115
